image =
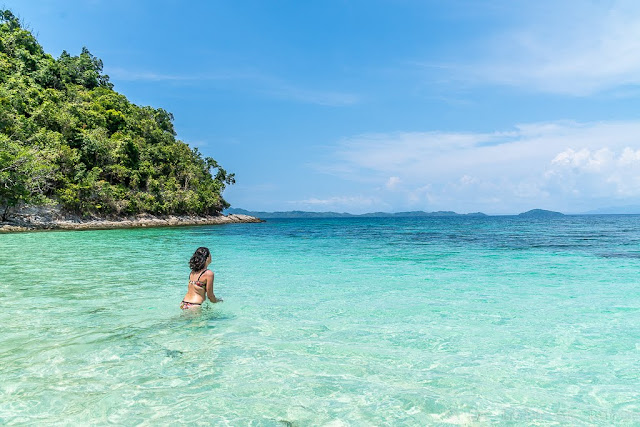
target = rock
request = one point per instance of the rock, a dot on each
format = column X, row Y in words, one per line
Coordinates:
column 51, row 218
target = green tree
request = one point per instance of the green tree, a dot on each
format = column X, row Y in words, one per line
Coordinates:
column 67, row 136
column 24, row 176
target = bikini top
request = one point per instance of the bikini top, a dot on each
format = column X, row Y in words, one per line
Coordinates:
column 197, row 282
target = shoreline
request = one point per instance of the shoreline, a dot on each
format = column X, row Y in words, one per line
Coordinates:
column 24, row 223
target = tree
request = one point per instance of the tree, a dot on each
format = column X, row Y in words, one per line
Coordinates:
column 67, row 136
column 85, row 70
column 24, row 176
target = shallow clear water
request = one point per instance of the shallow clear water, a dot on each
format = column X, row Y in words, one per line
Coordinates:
column 338, row 321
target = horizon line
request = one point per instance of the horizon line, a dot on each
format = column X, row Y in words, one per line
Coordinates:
column 588, row 213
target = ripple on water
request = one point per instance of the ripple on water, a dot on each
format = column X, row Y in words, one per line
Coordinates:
column 353, row 322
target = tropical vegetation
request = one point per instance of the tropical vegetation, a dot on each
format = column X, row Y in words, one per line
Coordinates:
column 68, row 138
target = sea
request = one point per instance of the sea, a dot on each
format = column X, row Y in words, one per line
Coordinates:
column 497, row 320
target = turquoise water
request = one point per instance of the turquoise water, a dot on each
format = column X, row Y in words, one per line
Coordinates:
column 436, row 321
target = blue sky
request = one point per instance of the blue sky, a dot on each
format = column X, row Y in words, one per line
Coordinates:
column 361, row 106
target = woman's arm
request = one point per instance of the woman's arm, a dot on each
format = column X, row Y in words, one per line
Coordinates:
column 209, row 276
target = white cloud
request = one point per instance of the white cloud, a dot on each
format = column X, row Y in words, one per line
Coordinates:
column 602, row 172
column 562, row 165
column 393, row 182
column 630, row 157
column 468, row 180
column 130, row 75
column 346, row 203
column 264, row 84
column 575, row 47
column 585, row 159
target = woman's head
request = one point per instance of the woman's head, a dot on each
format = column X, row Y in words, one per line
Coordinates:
column 200, row 259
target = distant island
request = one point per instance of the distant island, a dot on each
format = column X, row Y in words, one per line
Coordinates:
column 534, row 213
column 616, row 210
column 303, row 214
column 72, row 144
column 540, row 213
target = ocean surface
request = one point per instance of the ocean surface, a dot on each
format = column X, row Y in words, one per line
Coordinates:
column 354, row 321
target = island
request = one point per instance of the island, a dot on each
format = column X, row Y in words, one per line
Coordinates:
column 304, row 214
column 540, row 213
column 74, row 153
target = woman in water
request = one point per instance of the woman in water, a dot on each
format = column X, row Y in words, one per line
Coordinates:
column 200, row 280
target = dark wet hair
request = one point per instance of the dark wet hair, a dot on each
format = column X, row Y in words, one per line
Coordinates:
column 199, row 259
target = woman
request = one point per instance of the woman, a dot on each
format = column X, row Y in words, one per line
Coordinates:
column 200, row 280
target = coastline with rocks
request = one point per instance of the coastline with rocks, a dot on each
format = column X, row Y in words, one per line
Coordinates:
column 39, row 219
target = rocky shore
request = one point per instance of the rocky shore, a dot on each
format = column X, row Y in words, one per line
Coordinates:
column 39, row 219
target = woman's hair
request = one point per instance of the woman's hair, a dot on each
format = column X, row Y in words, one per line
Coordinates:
column 199, row 259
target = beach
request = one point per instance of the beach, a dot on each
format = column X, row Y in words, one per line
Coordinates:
column 358, row 321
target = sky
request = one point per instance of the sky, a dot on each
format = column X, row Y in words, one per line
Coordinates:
column 361, row 106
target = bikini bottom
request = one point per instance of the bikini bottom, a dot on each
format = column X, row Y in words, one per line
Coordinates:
column 186, row 305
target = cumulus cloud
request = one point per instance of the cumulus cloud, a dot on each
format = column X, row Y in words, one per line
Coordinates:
column 562, row 165
column 393, row 182
column 601, row 172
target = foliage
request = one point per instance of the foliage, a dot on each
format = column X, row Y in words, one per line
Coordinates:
column 24, row 175
column 67, row 136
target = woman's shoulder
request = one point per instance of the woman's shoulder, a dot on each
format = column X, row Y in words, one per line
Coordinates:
column 200, row 273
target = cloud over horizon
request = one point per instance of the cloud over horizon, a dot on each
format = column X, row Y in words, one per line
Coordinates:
column 566, row 166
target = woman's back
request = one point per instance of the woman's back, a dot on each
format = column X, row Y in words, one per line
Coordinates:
column 200, row 280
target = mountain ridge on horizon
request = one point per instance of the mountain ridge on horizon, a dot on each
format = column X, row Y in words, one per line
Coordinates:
column 615, row 210
column 533, row 213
